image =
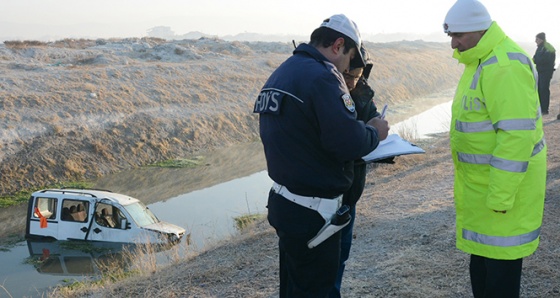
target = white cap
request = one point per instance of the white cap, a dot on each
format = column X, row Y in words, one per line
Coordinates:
column 467, row 16
column 344, row 25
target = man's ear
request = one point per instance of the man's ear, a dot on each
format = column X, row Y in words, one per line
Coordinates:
column 338, row 45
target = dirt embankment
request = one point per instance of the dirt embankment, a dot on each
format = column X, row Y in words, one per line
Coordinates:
column 78, row 109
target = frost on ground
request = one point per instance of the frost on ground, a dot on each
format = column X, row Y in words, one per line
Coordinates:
column 78, row 109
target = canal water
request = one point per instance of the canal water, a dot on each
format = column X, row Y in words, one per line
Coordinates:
column 205, row 200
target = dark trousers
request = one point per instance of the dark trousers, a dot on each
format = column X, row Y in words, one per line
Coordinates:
column 491, row 278
column 350, row 198
column 544, row 89
column 345, row 245
column 304, row 272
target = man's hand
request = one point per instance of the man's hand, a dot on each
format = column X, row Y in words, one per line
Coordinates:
column 382, row 127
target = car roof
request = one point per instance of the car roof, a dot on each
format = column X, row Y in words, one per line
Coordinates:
column 92, row 194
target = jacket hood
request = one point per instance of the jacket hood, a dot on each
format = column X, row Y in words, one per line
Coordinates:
column 493, row 36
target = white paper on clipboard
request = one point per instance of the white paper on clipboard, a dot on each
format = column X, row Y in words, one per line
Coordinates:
column 393, row 145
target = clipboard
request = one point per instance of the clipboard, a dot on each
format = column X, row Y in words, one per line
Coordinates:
column 392, row 146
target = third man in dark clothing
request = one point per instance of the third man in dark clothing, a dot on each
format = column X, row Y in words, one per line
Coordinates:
column 544, row 59
column 362, row 95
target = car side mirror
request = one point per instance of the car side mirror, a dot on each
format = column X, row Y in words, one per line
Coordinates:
column 125, row 225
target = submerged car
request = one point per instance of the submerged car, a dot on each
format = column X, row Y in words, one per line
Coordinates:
column 95, row 215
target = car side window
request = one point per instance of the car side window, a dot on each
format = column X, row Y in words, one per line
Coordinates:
column 106, row 216
column 74, row 210
column 45, row 207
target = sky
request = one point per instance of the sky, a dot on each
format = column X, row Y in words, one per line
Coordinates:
column 57, row 19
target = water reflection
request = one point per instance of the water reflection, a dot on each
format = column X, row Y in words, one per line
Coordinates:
column 76, row 258
column 30, row 268
column 151, row 184
column 204, row 200
column 208, row 214
column 435, row 120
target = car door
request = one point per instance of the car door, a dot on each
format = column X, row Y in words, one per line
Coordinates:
column 75, row 219
column 107, row 224
column 44, row 218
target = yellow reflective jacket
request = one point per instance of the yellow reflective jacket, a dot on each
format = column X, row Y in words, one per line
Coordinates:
column 498, row 149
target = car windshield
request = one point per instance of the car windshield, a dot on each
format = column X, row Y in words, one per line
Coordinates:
column 141, row 214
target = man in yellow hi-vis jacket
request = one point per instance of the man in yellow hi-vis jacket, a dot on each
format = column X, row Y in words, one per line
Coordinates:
column 498, row 150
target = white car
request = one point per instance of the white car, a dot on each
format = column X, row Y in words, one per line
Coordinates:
column 95, row 215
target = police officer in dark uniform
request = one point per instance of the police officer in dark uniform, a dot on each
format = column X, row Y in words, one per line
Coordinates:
column 311, row 136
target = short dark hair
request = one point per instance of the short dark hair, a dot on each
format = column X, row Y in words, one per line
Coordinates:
column 325, row 37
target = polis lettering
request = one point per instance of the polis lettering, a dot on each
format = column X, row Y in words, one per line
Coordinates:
column 471, row 104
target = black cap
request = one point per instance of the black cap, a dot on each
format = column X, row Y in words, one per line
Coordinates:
column 368, row 63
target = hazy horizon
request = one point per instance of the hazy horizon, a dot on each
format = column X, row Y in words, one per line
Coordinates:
column 388, row 20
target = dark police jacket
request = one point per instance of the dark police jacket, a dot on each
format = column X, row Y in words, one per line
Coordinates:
column 308, row 126
column 545, row 57
column 366, row 109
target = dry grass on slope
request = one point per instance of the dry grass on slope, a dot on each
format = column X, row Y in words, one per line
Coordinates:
column 80, row 109
column 129, row 104
column 406, row 70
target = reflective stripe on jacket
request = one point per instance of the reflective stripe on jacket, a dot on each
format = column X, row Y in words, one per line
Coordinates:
column 498, row 150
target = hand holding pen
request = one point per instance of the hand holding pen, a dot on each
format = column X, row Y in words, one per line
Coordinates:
column 380, row 124
column 383, row 112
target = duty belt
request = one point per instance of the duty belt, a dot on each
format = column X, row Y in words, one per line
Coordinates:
column 326, row 207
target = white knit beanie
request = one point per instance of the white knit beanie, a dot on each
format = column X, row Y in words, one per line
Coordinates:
column 467, row 16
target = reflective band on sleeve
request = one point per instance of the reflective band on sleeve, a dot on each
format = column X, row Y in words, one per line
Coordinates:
column 473, row 126
column 527, row 61
column 506, row 125
column 476, row 76
column 516, row 124
column 496, row 162
column 501, row 240
column 509, row 165
column 500, row 163
column 520, row 57
column 478, row 159
column 512, row 56
column 538, row 147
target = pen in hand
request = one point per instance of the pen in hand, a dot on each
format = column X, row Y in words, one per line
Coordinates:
column 383, row 112
column 380, row 124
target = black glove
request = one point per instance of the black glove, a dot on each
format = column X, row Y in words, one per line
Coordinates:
column 389, row 160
